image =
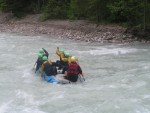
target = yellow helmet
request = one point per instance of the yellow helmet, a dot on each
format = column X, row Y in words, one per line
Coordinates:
column 73, row 59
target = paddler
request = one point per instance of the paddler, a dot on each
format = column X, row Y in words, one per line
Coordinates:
column 48, row 70
column 64, row 58
column 73, row 70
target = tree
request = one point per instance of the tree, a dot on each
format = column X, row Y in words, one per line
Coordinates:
column 98, row 10
column 146, row 19
column 78, row 9
column 127, row 11
column 55, row 9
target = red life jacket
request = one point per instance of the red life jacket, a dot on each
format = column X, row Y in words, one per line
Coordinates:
column 72, row 69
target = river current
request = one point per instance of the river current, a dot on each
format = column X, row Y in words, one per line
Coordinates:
column 117, row 77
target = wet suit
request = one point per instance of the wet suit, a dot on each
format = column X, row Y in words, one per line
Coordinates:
column 39, row 63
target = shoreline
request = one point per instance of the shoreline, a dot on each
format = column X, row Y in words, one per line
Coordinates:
column 76, row 30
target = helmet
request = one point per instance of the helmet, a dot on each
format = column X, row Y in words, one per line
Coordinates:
column 76, row 59
column 61, row 50
column 73, row 59
column 44, row 58
column 40, row 55
column 67, row 54
column 41, row 51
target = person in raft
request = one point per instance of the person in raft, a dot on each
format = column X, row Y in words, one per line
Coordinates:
column 64, row 58
column 59, row 52
column 48, row 70
column 39, row 61
column 73, row 70
column 40, row 55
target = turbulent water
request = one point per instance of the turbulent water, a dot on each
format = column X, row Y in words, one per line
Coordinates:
column 117, row 77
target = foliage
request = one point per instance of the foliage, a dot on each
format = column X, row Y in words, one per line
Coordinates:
column 78, row 9
column 127, row 11
column 55, row 9
column 131, row 12
column 98, row 10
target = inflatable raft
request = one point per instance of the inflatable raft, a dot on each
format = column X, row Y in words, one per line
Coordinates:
column 59, row 78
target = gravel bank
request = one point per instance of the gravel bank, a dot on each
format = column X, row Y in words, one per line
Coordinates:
column 75, row 30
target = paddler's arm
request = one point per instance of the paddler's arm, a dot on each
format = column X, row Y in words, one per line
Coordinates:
column 58, row 52
column 80, row 70
column 47, row 54
column 63, row 58
column 54, row 64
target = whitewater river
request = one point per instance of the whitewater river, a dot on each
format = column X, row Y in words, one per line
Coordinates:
column 117, row 77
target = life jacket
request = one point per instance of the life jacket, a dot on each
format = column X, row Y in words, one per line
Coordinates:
column 49, row 69
column 72, row 69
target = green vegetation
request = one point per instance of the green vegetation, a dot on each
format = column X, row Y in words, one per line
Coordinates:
column 130, row 12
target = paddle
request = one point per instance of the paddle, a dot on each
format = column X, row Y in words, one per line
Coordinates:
column 34, row 66
column 81, row 78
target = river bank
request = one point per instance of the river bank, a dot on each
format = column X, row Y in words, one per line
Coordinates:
column 75, row 30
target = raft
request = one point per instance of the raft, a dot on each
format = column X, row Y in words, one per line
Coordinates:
column 60, row 78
